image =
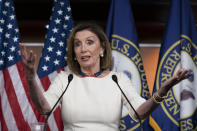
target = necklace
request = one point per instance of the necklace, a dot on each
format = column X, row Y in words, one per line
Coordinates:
column 93, row 75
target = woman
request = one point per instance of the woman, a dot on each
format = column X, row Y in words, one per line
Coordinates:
column 93, row 100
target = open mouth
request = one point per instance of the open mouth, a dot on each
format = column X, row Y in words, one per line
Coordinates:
column 85, row 58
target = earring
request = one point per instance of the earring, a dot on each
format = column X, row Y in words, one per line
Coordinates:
column 102, row 55
column 75, row 58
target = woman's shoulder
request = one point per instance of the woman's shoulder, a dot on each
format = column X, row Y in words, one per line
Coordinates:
column 109, row 73
column 120, row 75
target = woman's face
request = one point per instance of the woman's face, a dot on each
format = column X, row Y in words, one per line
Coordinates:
column 87, row 48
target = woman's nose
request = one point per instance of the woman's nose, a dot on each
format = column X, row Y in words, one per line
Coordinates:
column 83, row 48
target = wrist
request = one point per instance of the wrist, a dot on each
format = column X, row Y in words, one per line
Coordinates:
column 157, row 98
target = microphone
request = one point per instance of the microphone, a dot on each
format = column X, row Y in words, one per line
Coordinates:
column 115, row 79
column 70, row 77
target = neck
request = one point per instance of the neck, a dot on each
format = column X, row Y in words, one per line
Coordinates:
column 90, row 73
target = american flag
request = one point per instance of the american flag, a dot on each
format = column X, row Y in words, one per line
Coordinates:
column 16, row 108
column 54, row 53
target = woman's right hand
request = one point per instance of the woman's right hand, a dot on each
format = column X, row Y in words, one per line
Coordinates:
column 28, row 59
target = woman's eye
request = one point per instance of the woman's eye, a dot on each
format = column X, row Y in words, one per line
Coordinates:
column 77, row 44
column 90, row 42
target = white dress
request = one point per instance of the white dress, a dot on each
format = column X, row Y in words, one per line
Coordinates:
column 92, row 104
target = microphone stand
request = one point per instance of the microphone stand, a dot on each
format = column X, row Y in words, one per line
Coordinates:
column 115, row 79
column 70, row 77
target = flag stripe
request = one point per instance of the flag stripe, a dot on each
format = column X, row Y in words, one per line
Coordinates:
column 58, row 118
column 52, row 123
column 57, row 112
column 34, row 113
column 55, row 116
column 13, row 100
column 2, row 120
column 52, row 75
column 39, row 83
column 21, row 95
column 59, row 70
column 7, row 113
column 45, row 82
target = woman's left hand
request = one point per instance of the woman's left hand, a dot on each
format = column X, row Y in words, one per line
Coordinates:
column 181, row 74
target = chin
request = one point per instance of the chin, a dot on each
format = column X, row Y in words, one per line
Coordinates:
column 85, row 65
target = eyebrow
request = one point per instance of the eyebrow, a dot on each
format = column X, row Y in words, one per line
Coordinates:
column 86, row 38
column 91, row 36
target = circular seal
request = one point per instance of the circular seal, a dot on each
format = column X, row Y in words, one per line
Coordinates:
column 127, row 59
column 181, row 101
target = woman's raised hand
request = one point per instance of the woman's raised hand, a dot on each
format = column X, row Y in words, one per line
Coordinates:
column 181, row 74
column 28, row 59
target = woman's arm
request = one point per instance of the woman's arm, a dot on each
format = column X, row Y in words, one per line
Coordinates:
column 28, row 59
column 147, row 107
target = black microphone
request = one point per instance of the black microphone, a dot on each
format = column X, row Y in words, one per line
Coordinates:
column 115, row 79
column 70, row 77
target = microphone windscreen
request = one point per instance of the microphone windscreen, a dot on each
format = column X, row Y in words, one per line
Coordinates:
column 114, row 78
column 70, row 77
